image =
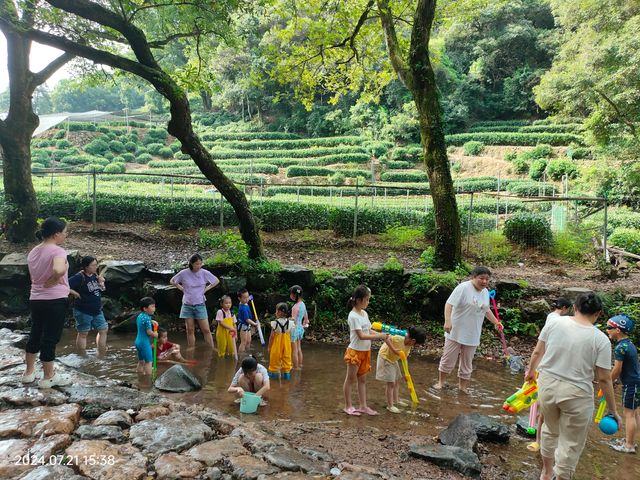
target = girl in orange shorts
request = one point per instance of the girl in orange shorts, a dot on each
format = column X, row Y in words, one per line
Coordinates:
column 358, row 354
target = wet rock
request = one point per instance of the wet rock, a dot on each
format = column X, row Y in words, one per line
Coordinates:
column 111, row 308
column 215, row 451
column 39, row 421
column 357, row 472
column 261, row 282
column 222, row 423
column 51, row 472
column 175, row 432
column 14, row 339
column 40, row 450
column 522, row 425
column 98, row 399
column 298, row 275
column 10, row 361
column 126, row 324
column 489, row 429
column 178, row 379
column 213, row 473
column 159, row 275
column 456, row 458
column 15, row 323
column 101, row 432
column 256, row 439
column 73, row 360
column 460, row 433
column 230, row 285
column 536, row 310
column 168, row 298
column 287, row 458
column 118, row 272
column 31, row 397
column 152, row 411
column 249, row 467
column 171, row 466
column 119, row 418
column 14, row 268
column 113, row 462
column 572, row 293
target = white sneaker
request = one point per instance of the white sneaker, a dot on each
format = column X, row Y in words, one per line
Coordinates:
column 58, row 380
column 29, row 378
column 394, row 409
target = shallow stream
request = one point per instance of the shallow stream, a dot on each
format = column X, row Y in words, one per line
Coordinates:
column 315, row 394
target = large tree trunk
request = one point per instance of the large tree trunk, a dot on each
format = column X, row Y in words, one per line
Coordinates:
column 417, row 75
column 15, row 139
column 206, row 100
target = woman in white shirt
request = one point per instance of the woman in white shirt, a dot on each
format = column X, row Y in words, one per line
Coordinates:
column 464, row 313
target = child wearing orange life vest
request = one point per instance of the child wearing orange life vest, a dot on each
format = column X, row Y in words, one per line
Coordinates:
column 280, row 343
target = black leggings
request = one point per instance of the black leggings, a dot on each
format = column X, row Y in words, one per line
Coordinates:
column 47, row 321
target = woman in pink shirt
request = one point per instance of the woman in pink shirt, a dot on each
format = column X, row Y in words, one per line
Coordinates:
column 48, row 301
column 194, row 282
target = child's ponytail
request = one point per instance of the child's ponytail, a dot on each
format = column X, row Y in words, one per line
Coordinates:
column 359, row 294
column 296, row 291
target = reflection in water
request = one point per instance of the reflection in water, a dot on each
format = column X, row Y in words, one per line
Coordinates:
column 315, row 394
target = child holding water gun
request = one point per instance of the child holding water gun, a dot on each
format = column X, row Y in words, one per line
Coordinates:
column 301, row 319
column 561, row 308
column 280, row 343
column 145, row 335
column 627, row 368
column 245, row 319
column 226, row 330
column 358, row 354
column 387, row 368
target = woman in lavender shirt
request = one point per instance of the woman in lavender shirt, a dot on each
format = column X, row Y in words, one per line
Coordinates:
column 194, row 282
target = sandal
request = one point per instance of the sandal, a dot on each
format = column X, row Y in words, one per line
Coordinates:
column 351, row 411
column 368, row 410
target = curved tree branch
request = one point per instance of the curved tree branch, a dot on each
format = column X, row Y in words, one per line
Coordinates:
column 395, row 55
column 619, row 114
column 43, row 75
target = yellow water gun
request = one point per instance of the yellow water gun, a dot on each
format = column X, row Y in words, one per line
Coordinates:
column 407, row 377
column 602, row 407
column 526, row 396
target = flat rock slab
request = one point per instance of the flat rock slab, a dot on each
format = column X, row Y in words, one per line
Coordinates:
column 152, row 411
column 178, row 379
column 112, row 433
column 101, row 460
column 14, row 268
column 39, row 421
column 175, row 432
column 572, row 293
column 287, row 458
column 215, row 451
column 460, row 433
column 119, row 418
column 40, row 450
column 118, row 272
column 256, row 439
column 249, row 467
column 52, row 472
column 172, row 465
column 31, row 397
column 489, row 429
column 456, row 458
column 100, row 399
column 222, row 423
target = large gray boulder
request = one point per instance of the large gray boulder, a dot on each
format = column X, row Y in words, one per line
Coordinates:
column 298, row 275
column 572, row 293
column 489, row 429
column 456, row 458
column 119, row 272
column 14, row 268
column 460, row 433
column 231, row 284
column 178, row 379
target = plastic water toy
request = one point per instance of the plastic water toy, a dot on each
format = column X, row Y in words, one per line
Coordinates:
column 155, row 353
column 526, row 396
column 492, row 295
column 391, row 330
column 255, row 314
column 602, row 407
column 608, row 425
column 407, row 377
column 532, row 429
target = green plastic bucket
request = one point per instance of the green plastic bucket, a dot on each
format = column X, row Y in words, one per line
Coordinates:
column 249, row 402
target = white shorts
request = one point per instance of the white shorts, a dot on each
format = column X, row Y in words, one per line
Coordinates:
column 387, row 371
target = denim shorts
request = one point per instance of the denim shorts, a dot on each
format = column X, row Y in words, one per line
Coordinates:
column 245, row 327
column 86, row 322
column 198, row 312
